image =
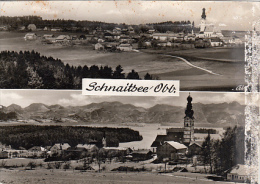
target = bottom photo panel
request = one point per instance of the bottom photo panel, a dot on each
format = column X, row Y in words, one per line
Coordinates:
column 50, row 136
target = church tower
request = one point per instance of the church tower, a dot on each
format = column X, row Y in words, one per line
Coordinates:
column 188, row 123
column 203, row 21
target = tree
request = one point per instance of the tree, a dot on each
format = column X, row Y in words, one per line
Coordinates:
column 207, row 152
column 229, row 151
column 133, row 75
column 118, row 73
column 148, row 77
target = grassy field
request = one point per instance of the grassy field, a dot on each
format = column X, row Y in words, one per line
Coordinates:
column 69, row 177
column 227, row 62
column 152, row 174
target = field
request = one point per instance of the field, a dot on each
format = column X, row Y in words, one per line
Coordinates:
column 226, row 62
column 68, row 177
column 40, row 174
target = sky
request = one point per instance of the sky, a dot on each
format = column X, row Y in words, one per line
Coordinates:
column 228, row 15
column 75, row 98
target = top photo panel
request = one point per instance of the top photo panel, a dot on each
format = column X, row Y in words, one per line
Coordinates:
column 55, row 44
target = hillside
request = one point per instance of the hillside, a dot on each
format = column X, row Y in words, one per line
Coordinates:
column 223, row 114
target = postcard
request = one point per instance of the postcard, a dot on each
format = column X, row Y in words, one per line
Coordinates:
column 129, row 92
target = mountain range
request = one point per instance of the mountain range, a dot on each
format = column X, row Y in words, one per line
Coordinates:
column 222, row 114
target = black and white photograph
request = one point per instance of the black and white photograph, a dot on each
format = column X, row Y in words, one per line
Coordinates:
column 65, row 137
column 54, row 44
column 131, row 92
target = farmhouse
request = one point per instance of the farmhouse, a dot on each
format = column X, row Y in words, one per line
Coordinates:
column 88, row 147
column 160, row 36
column 141, row 154
column 63, row 38
column 237, row 173
column 195, row 148
column 99, row 46
column 216, row 42
column 37, row 151
column 30, row 36
column 171, row 150
column 125, row 47
column 59, row 148
column 47, row 36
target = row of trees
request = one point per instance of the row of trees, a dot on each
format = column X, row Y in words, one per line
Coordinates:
column 85, row 26
column 28, row 136
column 31, row 70
column 223, row 154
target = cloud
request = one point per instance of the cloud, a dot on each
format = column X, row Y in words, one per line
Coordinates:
column 11, row 96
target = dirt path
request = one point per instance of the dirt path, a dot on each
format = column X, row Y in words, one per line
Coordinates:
column 194, row 66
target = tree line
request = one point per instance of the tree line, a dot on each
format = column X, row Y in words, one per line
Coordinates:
column 30, row 70
column 221, row 155
column 27, row 136
column 85, row 26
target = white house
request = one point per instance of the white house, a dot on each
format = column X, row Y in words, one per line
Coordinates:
column 30, row 36
column 237, row 173
column 63, row 38
column 125, row 47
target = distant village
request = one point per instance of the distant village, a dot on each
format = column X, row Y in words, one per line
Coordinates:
column 126, row 38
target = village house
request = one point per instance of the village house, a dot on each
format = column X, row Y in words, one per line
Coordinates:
column 172, row 134
column 59, row 148
column 88, row 147
column 117, row 30
column 171, row 150
column 160, row 36
column 63, row 38
column 99, row 46
column 30, row 36
column 55, row 29
column 125, row 47
column 125, row 39
column 37, row 151
column 122, row 150
column 216, row 42
column 237, row 173
column 195, row 148
column 48, row 36
column 141, row 154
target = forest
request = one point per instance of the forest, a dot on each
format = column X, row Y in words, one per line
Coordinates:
column 27, row 136
column 7, row 116
column 30, row 70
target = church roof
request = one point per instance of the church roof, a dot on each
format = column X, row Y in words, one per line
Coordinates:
column 209, row 29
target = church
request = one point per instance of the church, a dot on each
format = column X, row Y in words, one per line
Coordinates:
column 178, row 141
column 208, row 30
